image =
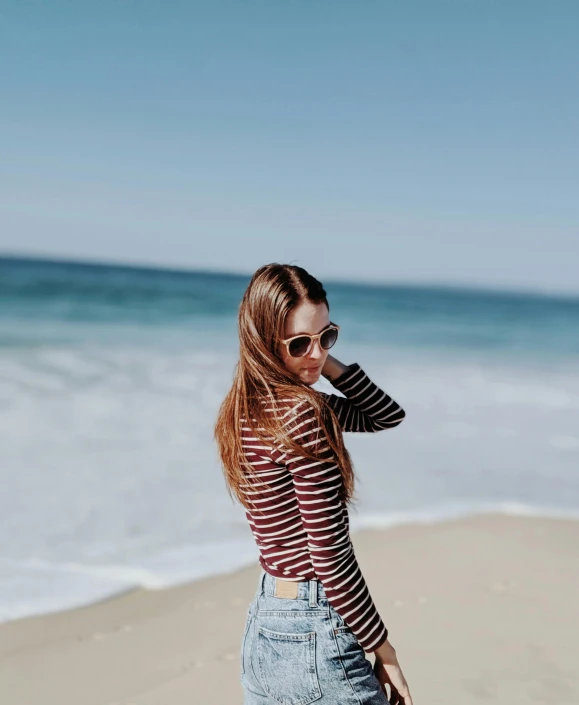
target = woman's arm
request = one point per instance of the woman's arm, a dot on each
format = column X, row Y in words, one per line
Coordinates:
column 365, row 407
column 324, row 518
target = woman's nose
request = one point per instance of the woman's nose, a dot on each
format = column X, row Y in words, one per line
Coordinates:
column 316, row 351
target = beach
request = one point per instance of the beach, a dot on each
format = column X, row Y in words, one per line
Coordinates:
column 186, row 187
column 126, row 569
column 479, row 609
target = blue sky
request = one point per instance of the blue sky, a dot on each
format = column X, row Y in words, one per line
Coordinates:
column 431, row 141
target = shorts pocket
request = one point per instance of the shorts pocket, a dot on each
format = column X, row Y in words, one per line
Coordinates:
column 347, row 641
column 339, row 626
column 342, row 629
column 287, row 666
column 345, row 638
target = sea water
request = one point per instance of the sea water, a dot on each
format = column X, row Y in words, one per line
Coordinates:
column 111, row 378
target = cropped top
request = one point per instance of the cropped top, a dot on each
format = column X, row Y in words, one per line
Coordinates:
column 302, row 527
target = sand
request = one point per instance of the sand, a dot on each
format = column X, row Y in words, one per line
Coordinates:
column 483, row 609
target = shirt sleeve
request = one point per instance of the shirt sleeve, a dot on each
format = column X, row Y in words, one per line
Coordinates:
column 366, row 407
column 325, row 521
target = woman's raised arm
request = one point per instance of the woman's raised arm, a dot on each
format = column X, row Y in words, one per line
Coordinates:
column 365, row 407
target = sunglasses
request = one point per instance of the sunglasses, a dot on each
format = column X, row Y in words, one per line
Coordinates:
column 300, row 345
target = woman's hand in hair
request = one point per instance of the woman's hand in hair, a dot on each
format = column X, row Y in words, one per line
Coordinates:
column 333, row 368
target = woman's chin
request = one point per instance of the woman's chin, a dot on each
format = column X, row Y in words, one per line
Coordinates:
column 311, row 376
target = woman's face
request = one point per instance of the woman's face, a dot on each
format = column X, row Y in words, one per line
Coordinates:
column 309, row 319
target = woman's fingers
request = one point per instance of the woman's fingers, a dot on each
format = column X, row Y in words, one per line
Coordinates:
column 381, row 676
column 384, row 679
column 393, row 676
column 404, row 696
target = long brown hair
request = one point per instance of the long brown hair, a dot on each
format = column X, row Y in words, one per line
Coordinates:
column 274, row 291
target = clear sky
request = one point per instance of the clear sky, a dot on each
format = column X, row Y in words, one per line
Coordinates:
column 389, row 140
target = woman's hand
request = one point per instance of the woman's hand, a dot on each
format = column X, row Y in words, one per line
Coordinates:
column 333, row 368
column 388, row 672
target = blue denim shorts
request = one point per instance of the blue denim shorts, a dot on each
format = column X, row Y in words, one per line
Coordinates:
column 298, row 650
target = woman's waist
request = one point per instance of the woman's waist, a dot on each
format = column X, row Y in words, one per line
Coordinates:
column 305, row 587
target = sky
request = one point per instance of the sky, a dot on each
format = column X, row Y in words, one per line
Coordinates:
column 431, row 141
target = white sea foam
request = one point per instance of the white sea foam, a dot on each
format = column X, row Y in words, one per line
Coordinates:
column 110, row 478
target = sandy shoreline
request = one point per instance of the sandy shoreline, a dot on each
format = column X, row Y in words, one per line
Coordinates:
column 479, row 609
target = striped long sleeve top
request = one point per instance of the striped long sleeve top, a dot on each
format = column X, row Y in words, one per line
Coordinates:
column 302, row 528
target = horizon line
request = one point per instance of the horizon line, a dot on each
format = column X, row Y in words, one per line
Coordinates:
column 475, row 287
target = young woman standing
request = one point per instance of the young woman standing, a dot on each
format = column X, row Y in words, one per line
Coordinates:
column 312, row 619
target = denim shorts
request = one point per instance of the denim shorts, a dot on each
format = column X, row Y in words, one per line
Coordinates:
column 297, row 651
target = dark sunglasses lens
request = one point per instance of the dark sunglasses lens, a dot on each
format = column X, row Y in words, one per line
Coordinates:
column 328, row 338
column 299, row 346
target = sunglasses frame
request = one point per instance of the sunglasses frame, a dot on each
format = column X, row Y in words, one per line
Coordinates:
column 287, row 341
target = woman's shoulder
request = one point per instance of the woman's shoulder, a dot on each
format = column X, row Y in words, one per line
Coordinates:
column 298, row 401
column 298, row 411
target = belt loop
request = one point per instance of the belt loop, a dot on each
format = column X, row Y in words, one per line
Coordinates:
column 313, row 592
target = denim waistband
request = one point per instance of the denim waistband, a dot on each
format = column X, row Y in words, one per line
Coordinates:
column 310, row 590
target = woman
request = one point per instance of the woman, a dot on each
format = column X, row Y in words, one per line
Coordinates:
column 312, row 618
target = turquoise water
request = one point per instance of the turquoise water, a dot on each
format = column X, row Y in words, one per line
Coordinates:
column 79, row 301
column 111, row 377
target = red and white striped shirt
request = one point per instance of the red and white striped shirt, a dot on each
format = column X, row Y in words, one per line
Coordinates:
column 302, row 531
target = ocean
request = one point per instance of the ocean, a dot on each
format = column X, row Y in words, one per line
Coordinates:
column 111, row 378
